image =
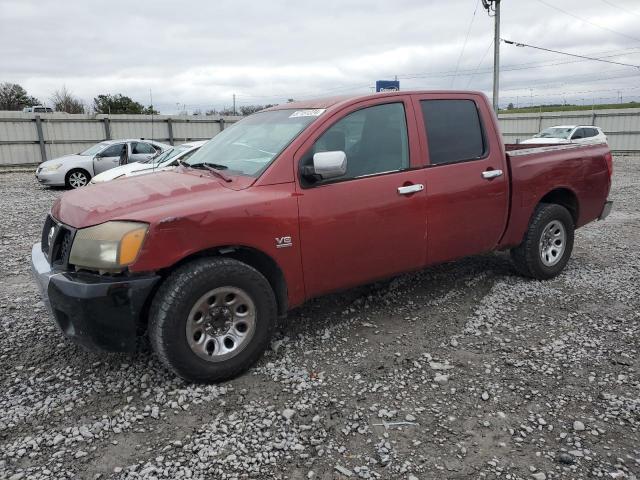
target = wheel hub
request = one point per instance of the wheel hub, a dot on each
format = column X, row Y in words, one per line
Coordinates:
column 552, row 243
column 219, row 321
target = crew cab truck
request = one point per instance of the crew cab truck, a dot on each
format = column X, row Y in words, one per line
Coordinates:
column 298, row 201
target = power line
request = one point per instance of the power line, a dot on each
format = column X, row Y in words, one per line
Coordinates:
column 464, row 45
column 620, row 8
column 515, row 66
column 520, row 44
column 473, row 74
column 588, row 21
column 571, row 93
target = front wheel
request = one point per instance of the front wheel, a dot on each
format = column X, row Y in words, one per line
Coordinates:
column 77, row 178
column 212, row 319
column 548, row 243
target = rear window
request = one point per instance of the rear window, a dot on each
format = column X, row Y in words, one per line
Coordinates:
column 454, row 132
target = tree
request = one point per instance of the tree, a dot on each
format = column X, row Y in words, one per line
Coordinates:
column 227, row 112
column 119, row 103
column 150, row 110
column 249, row 109
column 14, row 97
column 64, row 101
column 510, row 106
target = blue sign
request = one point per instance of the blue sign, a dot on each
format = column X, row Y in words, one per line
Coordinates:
column 387, row 85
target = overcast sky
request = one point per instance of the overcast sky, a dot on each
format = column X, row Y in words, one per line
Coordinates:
column 199, row 53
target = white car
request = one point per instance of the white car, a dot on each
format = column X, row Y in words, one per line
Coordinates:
column 165, row 161
column 569, row 134
column 76, row 170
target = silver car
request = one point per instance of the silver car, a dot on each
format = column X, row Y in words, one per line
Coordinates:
column 76, row 170
column 165, row 161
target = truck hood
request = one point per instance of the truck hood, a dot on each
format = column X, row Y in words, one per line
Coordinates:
column 146, row 198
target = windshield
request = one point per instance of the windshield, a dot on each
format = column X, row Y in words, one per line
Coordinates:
column 249, row 146
column 555, row 132
column 98, row 147
column 169, row 154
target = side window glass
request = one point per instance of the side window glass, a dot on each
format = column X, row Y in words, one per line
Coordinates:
column 454, row 132
column 374, row 140
column 591, row 132
column 112, row 151
column 141, row 147
column 579, row 133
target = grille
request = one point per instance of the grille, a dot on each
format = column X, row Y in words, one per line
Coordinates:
column 56, row 242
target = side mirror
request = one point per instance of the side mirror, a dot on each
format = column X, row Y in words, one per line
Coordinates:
column 327, row 165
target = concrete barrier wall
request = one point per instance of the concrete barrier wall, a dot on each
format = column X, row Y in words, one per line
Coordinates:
column 622, row 126
column 27, row 138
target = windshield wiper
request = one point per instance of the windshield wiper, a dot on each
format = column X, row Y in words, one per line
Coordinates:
column 213, row 168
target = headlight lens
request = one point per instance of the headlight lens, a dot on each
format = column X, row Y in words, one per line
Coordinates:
column 51, row 168
column 110, row 246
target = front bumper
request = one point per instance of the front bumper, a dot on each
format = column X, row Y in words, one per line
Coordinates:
column 96, row 311
column 53, row 179
column 606, row 210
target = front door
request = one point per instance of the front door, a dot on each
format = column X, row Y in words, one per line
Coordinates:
column 466, row 177
column 108, row 158
column 370, row 223
column 141, row 151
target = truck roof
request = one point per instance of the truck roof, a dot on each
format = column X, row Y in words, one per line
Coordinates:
column 327, row 102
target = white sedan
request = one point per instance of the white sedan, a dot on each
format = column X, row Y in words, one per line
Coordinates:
column 569, row 134
column 77, row 169
column 165, row 161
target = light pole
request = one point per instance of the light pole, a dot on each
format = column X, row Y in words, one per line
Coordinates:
column 493, row 9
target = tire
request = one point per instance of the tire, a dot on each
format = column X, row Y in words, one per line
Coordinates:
column 190, row 312
column 77, row 178
column 547, row 244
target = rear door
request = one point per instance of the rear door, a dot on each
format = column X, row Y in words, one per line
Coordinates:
column 465, row 176
column 108, row 158
column 370, row 223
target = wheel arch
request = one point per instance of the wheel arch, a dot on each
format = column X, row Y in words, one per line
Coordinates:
column 77, row 169
column 253, row 257
column 565, row 197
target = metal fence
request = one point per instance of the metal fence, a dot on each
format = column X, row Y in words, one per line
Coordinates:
column 27, row 138
column 622, row 126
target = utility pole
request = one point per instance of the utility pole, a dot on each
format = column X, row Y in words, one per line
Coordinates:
column 493, row 9
column 234, row 103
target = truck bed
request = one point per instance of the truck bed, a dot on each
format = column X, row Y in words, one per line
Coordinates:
column 578, row 173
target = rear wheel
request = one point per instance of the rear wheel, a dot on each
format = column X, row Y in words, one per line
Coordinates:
column 548, row 243
column 77, row 178
column 212, row 319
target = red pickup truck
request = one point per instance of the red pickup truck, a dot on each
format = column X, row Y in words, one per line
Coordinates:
column 298, row 201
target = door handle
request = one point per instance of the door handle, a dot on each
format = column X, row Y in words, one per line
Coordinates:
column 409, row 189
column 489, row 174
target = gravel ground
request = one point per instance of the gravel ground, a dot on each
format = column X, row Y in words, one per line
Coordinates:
column 461, row 371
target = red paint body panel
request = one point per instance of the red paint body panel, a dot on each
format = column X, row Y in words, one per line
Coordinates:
column 581, row 170
column 356, row 231
column 466, row 214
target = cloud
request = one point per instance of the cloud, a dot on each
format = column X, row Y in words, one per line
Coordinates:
column 200, row 53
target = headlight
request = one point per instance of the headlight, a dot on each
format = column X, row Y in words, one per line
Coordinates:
column 52, row 167
column 110, row 246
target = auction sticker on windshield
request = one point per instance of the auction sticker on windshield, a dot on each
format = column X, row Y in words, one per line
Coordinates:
column 316, row 112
